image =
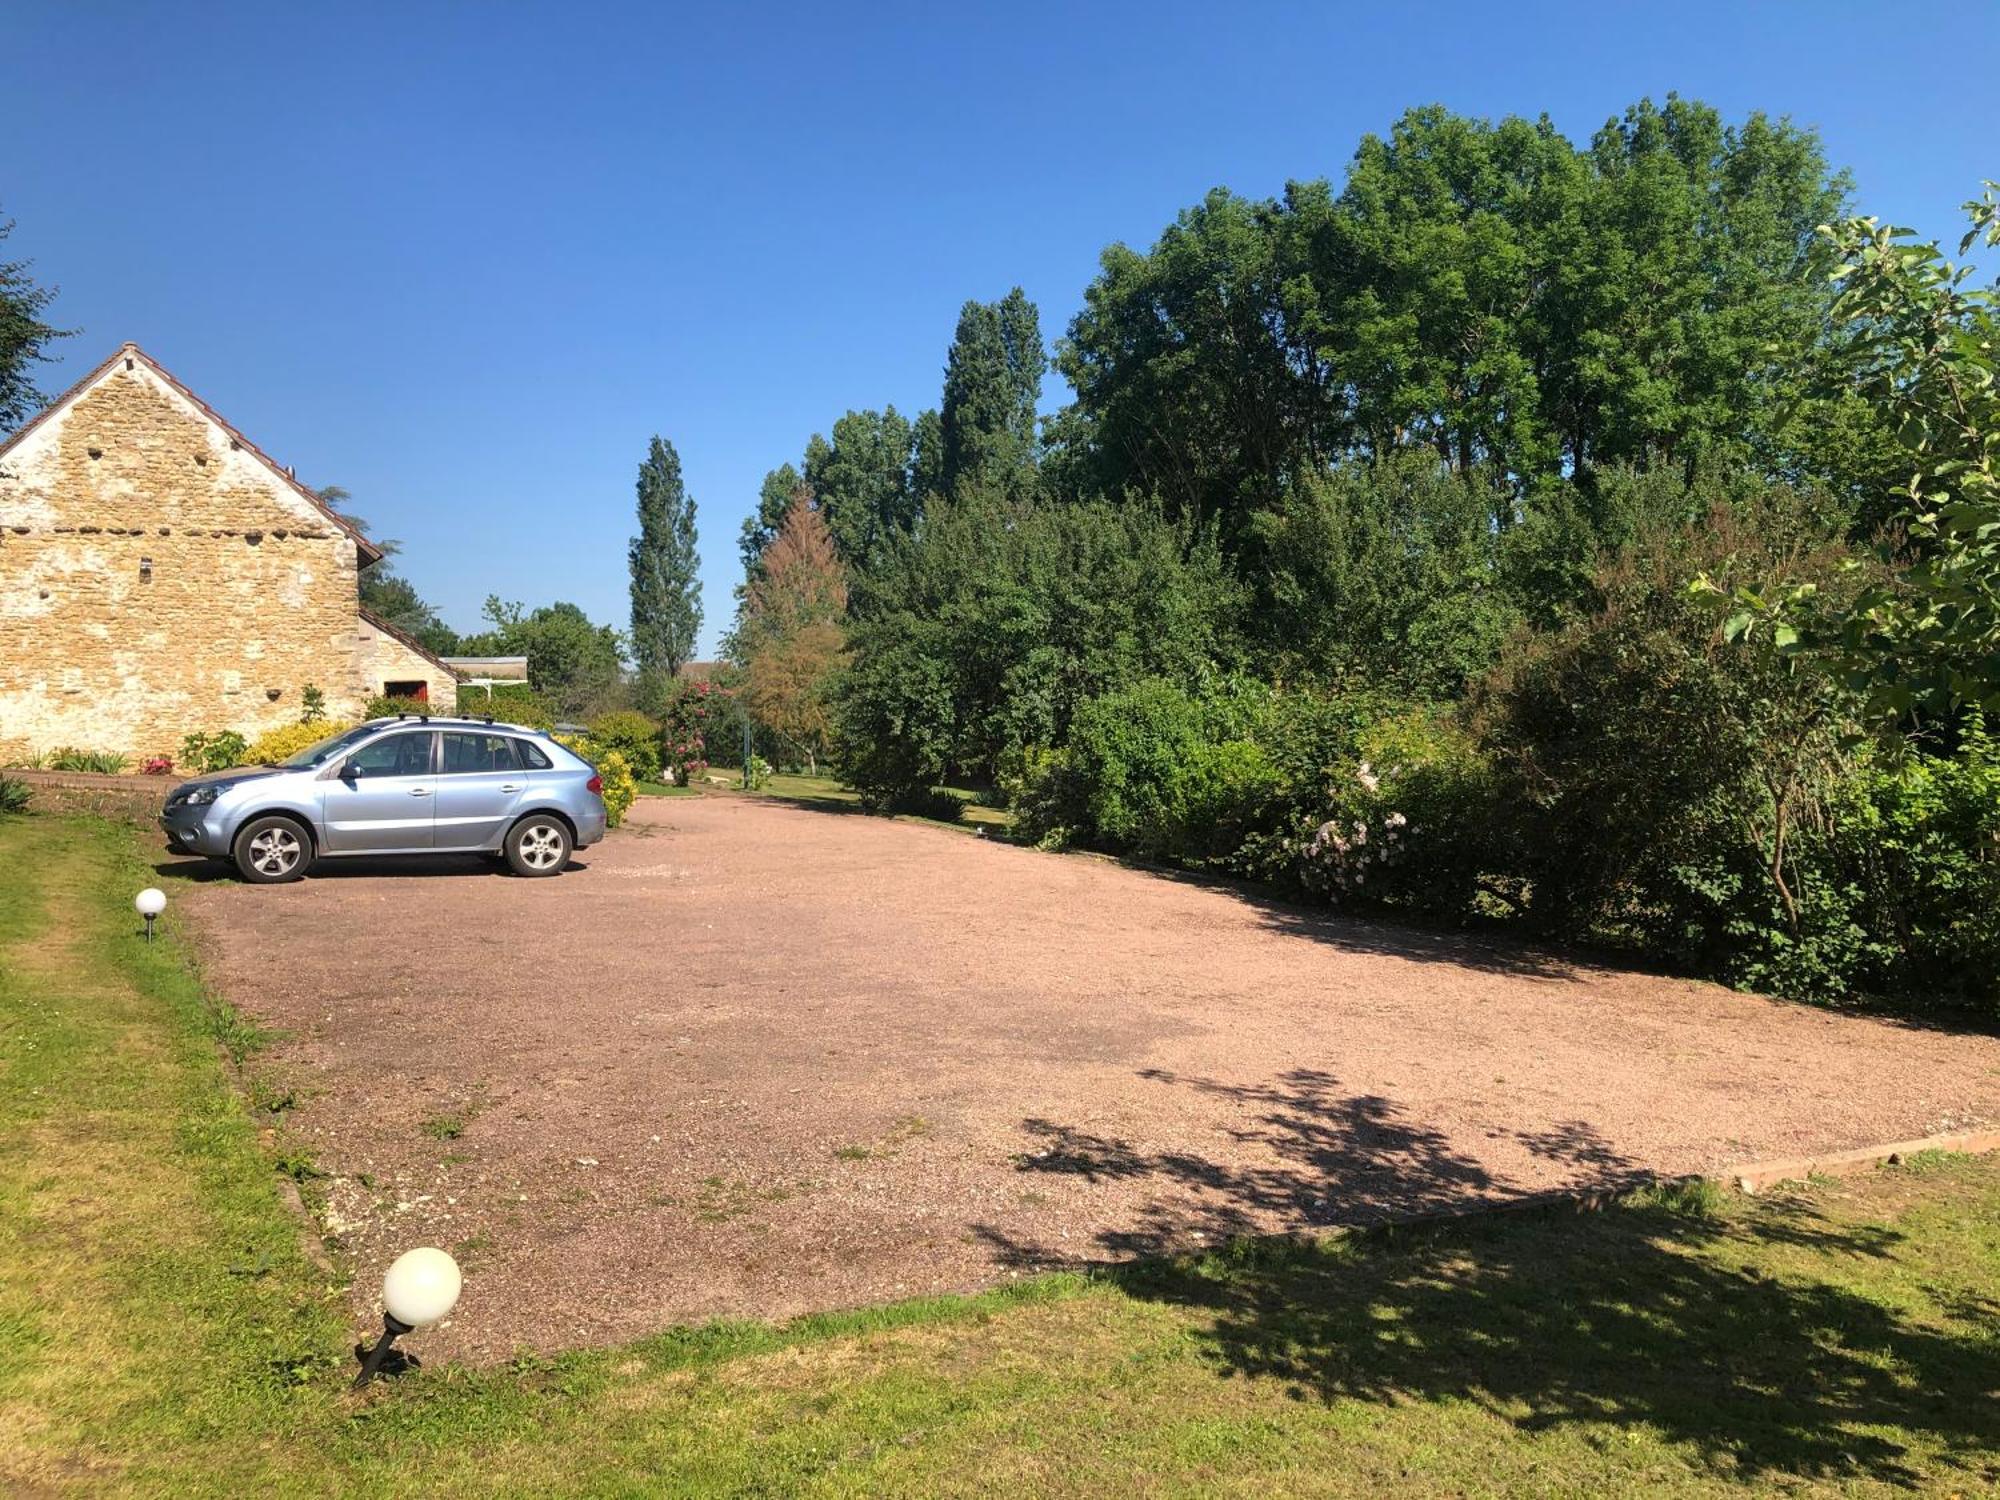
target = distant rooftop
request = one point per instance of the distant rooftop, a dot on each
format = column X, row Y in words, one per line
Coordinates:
column 498, row 668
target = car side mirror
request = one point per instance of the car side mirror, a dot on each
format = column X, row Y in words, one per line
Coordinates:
column 347, row 771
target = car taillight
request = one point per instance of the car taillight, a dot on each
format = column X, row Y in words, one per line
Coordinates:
column 595, row 784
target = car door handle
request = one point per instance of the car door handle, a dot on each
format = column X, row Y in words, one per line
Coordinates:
column 420, row 791
column 510, row 786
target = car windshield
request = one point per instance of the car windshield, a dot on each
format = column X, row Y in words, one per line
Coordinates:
column 326, row 749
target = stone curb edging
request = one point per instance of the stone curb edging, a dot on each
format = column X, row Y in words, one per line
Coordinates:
column 1749, row 1178
column 1754, row 1177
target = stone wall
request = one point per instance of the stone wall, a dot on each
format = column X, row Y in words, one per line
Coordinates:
column 157, row 578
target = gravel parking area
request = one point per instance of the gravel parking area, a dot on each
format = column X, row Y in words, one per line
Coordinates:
column 751, row 1059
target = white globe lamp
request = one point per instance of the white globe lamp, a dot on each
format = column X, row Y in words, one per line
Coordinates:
column 421, row 1287
column 149, row 903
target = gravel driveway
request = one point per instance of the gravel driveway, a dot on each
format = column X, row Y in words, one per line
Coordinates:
column 755, row 1059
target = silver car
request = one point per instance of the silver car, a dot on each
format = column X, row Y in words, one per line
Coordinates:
column 396, row 786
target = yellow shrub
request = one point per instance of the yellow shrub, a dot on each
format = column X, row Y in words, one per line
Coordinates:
column 621, row 788
column 279, row 744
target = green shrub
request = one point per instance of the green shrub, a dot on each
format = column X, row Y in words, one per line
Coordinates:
column 936, row 803
column 385, row 707
column 1660, row 778
column 96, row 762
column 893, row 719
column 633, row 736
column 204, row 752
column 1912, row 852
column 1125, row 750
column 14, row 794
column 508, row 705
column 312, row 704
column 1046, row 796
column 1397, row 811
column 1162, row 771
column 1216, row 798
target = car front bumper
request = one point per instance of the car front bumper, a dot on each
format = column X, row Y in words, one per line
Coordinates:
column 197, row 829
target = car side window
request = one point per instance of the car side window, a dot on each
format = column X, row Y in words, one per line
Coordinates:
column 532, row 758
column 398, row 755
column 470, row 754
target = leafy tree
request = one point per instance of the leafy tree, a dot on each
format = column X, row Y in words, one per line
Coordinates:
column 1485, row 293
column 868, row 483
column 1687, row 312
column 1925, row 350
column 992, row 386
column 391, row 597
column 1198, row 379
column 666, row 582
column 981, row 634
column 572, row 663
column 790, row 636
column 861, row 482
column 24, row 337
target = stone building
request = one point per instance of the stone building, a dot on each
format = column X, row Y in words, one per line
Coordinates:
column 159, row 575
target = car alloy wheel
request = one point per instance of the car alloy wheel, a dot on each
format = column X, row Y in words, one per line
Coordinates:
column 275, row 851
column 271, row 850
column 543, row 847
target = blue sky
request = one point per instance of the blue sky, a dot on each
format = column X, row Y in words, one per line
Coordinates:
column 466, row 259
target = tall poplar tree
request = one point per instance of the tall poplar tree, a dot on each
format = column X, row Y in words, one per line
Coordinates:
column 666, row 588
column 992, row 383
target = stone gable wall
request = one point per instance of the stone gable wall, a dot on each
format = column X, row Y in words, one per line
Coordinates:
column 382, row 659
column 157, row 579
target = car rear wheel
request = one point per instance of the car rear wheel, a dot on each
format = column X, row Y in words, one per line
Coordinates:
column 538, row 845
column 270, row 851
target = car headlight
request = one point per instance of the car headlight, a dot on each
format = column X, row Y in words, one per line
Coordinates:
column 201, row 796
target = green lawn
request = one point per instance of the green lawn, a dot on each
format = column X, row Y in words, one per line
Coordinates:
column 666, row 789
column 162, row 1332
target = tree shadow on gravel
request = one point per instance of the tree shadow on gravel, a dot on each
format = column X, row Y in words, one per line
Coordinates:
column 1649, row 1309
column 1325, row 1158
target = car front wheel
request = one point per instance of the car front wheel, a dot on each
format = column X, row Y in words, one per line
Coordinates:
column 270, row 851
column 538, row 845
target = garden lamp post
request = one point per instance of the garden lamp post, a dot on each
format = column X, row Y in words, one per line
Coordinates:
column 421, row 1287
column 149, row 903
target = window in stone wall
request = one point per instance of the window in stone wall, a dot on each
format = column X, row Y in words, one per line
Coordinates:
column 421, row 691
